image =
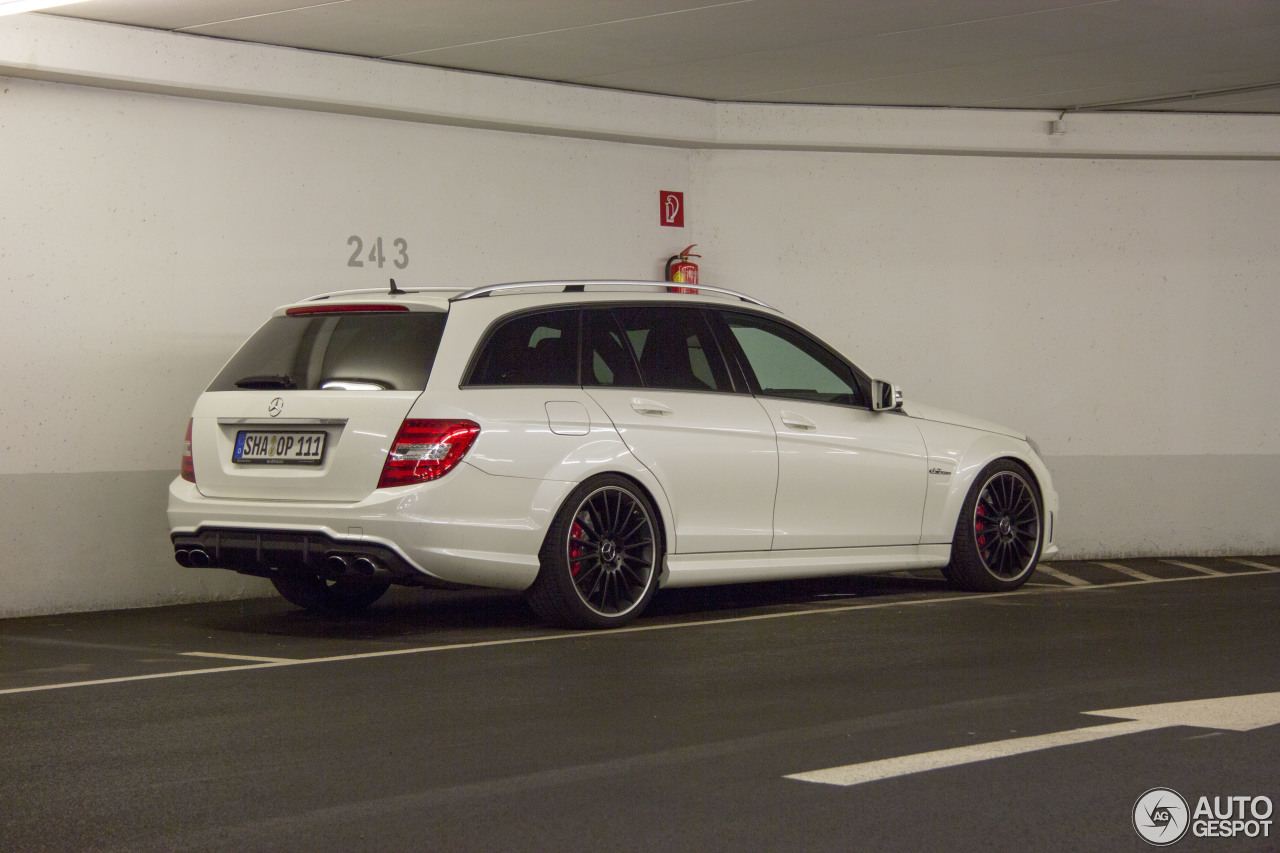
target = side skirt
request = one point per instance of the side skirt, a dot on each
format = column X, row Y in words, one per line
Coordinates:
column 747, row 566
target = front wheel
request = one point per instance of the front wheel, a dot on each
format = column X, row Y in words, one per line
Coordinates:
column 601, row 557
column 315, row 593
column 998, row 535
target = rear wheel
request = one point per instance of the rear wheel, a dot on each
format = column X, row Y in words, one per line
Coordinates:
column 998, row 534
column 326, row 596
column 601, row 557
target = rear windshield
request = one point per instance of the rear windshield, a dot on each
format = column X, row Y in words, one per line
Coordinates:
column 357, row 352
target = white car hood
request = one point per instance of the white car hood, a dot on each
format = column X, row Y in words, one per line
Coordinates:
column 932, row 413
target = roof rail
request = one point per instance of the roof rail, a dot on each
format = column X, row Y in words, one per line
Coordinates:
column 382, row 291
column 570, row 286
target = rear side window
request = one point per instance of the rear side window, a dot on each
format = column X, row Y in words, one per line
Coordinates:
column 607, row 359
column 363, row 352
column 531, row 349
column 674, row 348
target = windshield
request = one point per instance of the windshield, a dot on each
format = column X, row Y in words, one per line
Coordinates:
column 354, row 352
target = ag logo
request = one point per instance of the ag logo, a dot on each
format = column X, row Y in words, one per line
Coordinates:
column 1161, row 817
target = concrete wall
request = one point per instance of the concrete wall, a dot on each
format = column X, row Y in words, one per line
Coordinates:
column 1121, row 311
column 1109, row 289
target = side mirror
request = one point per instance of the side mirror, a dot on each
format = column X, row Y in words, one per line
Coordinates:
column 885, row 396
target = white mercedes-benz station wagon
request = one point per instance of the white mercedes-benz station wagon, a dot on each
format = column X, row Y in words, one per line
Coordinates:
column 585, row 442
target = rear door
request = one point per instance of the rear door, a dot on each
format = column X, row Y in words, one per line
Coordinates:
column 308, row 407
column 847, row 476
column 658, row 373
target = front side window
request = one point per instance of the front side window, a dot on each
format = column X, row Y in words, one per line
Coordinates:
column 788, row 363
column 530, row 349
column 673, row 348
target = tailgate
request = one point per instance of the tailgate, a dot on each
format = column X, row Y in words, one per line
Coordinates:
column 318, row 446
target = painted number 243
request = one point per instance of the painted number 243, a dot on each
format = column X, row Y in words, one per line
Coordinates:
column 375, row 256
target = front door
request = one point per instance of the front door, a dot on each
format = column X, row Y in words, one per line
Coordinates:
column 848, row 476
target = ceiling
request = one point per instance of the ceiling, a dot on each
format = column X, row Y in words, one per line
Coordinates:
column 1167, row 55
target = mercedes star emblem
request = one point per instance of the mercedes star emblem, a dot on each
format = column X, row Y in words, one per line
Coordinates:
column 276, row 407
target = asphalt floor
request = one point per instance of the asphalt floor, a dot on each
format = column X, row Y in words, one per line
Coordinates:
column 455, row 721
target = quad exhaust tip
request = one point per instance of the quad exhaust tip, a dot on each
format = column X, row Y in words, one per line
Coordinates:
column 195, row 558
column 338, row 565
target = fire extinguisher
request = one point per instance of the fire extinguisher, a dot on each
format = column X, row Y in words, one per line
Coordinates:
column 683, row 271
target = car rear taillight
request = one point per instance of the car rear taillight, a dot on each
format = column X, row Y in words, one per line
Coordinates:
column 426, row 450
column 188, row 462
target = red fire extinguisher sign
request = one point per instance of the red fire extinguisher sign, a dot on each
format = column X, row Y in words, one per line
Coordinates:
column 671, row 206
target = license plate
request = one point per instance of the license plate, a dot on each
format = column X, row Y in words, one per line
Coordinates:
column 278, row 448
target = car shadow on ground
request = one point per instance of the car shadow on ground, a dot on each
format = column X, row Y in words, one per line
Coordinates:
column 478, row 614
column 752, row 598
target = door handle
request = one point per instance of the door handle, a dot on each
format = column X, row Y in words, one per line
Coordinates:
column 649, row 407
column 795, row 421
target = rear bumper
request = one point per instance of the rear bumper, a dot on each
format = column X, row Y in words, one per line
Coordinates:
column 267, row 553
column 467, row 528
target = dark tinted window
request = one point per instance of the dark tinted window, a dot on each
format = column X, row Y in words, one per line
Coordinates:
column 532, row 349
column 788, row 363
column 367, row 351
column 674, row 348
column 607, row 358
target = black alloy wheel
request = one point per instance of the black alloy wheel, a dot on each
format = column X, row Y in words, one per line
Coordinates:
column 602, row 557
column 999, row 533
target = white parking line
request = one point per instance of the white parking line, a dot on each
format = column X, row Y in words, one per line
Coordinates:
column 1228, row 713
column 888, row 768
column 1125, row 570
column 1204, row 570
column 1254, row 564
column 278, row 663
column 1062, row 576
column 252, row 658
column 148, row 677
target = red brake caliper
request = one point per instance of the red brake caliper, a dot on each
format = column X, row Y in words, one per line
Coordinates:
column 575, row 549
column 980, row 525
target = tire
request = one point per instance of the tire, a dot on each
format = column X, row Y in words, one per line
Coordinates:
column 999, row 532
column 324, row 596
column 601, row 558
